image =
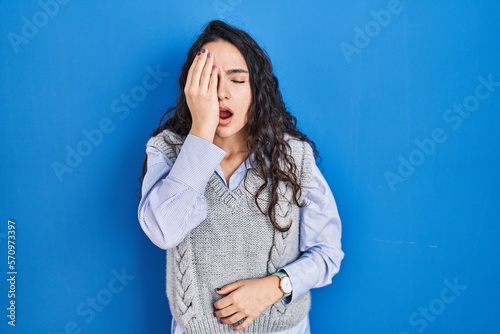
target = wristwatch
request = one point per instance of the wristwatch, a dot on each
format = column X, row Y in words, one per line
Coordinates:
column 285, row 283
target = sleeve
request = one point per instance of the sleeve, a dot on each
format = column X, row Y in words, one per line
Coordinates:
column 173, row 201
column 320, row 240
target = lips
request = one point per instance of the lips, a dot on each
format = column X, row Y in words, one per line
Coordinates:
column 225, row 113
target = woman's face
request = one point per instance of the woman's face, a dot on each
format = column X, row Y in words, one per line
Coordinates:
column 233, row 90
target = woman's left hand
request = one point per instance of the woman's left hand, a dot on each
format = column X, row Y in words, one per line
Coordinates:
column 247, row 299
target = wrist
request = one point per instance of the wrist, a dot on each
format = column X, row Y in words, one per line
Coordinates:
column 202, row 132
column 277, row 294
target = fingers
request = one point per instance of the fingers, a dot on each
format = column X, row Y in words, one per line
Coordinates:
column 190, row 72
column 248, row 321
column 227, row 289
column 199, row 73
column 226, row 312
column 212, row 87
column 201, row 96
column 196, row 61
column 206, row 73
column 232, row 319
column 223, row 303
column 231, row 315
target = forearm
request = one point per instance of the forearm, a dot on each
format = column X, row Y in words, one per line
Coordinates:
column 173, row 200
column 313, row 270
column 320, row 240
column 166, row 220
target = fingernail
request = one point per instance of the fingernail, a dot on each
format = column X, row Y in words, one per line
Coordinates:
column 203, row 50
column 214, row 67
column 198, row 53
column 217, row 289
column 209, row 55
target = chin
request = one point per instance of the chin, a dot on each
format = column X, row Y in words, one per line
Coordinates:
column 235, row 129
column 224, row 133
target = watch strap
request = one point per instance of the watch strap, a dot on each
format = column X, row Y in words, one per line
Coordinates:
column 280, row 274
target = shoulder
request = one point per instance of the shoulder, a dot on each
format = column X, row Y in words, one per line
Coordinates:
column 168, row 142
column 168, row 136
column 303, row 155
column 299, row 148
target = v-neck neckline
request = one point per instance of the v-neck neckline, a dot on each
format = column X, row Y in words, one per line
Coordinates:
column 242, row 168
column 249, row 183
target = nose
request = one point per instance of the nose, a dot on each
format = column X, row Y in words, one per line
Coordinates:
column 222, row 90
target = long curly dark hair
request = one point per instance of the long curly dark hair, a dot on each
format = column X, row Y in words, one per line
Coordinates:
column 268, row 119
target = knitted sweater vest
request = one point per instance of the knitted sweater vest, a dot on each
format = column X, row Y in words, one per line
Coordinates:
column 235, row 242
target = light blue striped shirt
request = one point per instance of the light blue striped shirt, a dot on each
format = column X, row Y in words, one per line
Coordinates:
column 173, row 203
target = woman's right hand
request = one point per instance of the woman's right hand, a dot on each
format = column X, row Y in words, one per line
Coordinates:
column 201, row 96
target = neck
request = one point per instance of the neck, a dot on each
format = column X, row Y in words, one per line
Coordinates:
column 235, row 144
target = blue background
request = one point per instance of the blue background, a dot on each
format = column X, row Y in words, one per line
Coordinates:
column 406, row 238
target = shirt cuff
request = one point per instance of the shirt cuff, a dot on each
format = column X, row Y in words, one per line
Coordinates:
column 297, row 271
column 196, row 162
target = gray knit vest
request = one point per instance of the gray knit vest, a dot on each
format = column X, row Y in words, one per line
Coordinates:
column 236, row 241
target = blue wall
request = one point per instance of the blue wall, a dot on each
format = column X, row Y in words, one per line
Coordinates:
column 401, row 97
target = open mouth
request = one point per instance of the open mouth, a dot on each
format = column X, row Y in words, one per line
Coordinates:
column 225, row 113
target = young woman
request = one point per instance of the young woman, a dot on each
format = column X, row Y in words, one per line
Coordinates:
column 232, row 192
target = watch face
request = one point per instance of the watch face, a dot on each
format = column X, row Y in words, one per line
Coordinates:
column 286, row 285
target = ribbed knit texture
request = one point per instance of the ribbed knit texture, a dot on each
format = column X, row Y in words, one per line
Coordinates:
column 235, row 242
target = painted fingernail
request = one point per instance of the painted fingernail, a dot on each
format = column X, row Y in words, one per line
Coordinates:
column 203, row 50
column 214, row 67
column 209, row 55
column 217, row 289
column 198, row 53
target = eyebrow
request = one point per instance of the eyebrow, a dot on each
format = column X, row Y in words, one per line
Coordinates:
column 236, row 70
